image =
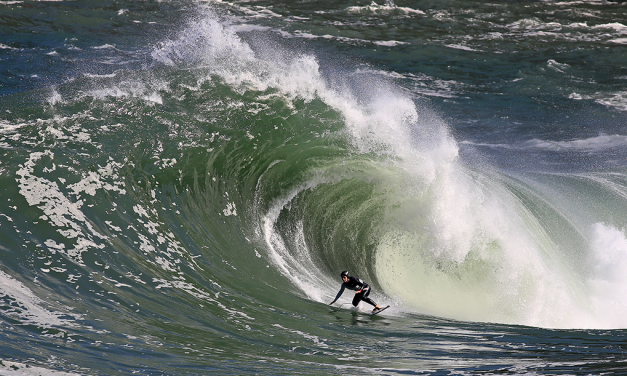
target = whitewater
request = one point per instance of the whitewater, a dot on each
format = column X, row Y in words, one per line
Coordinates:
column 182, row 183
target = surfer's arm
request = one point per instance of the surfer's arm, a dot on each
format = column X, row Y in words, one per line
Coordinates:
column 338, row 294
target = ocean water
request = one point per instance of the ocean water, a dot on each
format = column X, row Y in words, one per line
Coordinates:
column 182, row 183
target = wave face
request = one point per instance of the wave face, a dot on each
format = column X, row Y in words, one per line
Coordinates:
column 180, row 194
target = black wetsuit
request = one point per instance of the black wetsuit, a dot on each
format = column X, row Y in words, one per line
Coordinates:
column 356, row 284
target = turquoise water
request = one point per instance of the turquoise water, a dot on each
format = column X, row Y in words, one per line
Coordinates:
column 182, row 183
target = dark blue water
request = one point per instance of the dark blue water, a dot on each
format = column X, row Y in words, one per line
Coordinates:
column 183, row 182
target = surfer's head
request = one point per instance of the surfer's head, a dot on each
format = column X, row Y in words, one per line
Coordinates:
column 344, row 275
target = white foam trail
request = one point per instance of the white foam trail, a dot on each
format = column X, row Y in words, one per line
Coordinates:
column 132, row 89
column 27, row 307
column 386, row 8
column 5, row 47
column 598, row 143
column 9, row 368
column 590, row 144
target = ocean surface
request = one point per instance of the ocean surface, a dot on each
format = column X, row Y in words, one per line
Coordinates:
column 181, row 184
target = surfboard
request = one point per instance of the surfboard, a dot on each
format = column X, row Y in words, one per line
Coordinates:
column 379, row 311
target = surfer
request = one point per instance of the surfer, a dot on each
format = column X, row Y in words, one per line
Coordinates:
column 361, row 288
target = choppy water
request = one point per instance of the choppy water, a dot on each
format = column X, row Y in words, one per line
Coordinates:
column 182, row 183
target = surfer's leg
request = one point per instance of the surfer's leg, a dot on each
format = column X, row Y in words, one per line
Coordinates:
column 365, row 298
column 363, row 295
column 357, row 298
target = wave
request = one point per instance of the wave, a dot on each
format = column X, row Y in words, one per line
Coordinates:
column 465, row 240
column 234, row 162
